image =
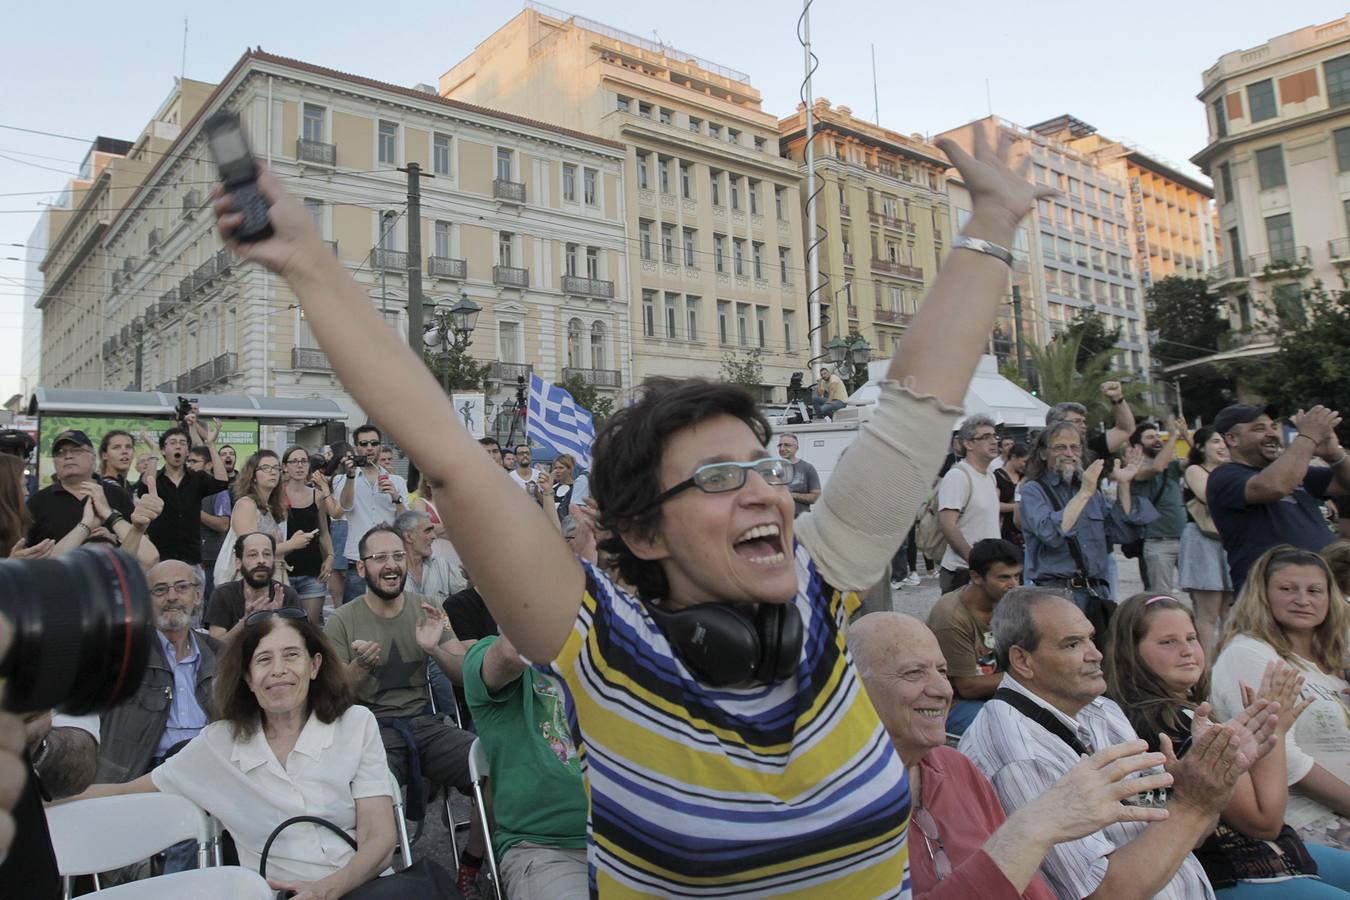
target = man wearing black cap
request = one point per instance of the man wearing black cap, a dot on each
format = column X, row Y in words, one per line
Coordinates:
column 1268, row 494
column 59, row 509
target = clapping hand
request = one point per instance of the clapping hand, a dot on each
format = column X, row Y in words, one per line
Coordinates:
column 1281, row 684
column 1205, row 777
column 1092, row 476
column 367, row 653
column 21, row 550
column 93, row 492
column 432, row 627
column 273, row 599
column 1129, row 467
column 1318, row 425
column 148, row 506
column 1088, row 797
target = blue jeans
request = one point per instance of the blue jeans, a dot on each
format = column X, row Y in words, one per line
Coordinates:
column 442, row 691
column 180, row 857
column 825, row 407
column 1332, row 881
column 962, row 714
column 308, row 586
column 354, row 587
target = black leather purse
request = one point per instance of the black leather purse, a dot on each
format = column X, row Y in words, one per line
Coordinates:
column 423, row 880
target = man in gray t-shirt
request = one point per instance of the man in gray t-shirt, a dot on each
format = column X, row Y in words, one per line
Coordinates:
column 805, row 484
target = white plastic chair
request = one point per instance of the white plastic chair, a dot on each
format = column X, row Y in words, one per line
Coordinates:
column 221, row 883
column 105, row 833
column 400, row 823
column 478, row 774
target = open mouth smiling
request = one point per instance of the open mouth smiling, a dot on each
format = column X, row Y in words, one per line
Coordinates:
column 762, row 545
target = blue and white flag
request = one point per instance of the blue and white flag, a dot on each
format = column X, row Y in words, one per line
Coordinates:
column 555, row 421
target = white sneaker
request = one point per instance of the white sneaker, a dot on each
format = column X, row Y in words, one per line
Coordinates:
column 897, row 584
column 912, row 579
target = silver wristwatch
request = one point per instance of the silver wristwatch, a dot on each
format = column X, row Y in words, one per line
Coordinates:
column 979, row 245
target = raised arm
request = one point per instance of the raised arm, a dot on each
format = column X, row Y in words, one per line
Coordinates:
column 535, row 605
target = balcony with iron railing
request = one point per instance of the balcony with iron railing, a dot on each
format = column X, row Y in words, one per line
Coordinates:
column 511, row 276
column 156, row 238
column 316, row 152
column 310, row 358
column 587, row 287
column 601, row 378
column 891, row 316
column 388, row 260
column 1229, row 270
column 852, row 311
column 894, row 268
column 446, row 267
column 513, row 191
column 889, row 221
column 1340, row 251
column 508, row 372
column 192, row 200
column 1283, row 262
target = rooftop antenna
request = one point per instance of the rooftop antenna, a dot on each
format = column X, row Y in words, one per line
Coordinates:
column 988, row 97
column 876, row 101
column 182, row 72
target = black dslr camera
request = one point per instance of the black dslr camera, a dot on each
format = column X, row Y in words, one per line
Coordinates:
column 186, row 406
column 82, row 630
column 16, row 443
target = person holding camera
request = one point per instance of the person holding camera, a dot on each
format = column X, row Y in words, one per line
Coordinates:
column 368, row 496
column 177, row 530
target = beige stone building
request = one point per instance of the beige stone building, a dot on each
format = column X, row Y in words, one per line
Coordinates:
column 526, row 219
column 713, row 215
column 76, row 270
column 883, row 207
column 1279, row 154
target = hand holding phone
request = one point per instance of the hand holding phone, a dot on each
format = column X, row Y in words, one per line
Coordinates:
column 239, row 173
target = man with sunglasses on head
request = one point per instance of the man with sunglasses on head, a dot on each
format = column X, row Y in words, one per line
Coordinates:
column 369, row 496
column 256, row 589
column 383, row 639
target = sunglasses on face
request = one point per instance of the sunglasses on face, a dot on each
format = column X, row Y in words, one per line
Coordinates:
column 367, row 443
column 286, row 612
column 718, row 478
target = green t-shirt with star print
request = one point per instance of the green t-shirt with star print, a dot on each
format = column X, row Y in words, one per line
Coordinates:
column 398, row 685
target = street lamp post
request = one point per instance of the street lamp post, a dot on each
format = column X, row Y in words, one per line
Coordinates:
column 850, row 358
column 452, row 331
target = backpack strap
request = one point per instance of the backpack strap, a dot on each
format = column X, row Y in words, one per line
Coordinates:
column 1042, row 717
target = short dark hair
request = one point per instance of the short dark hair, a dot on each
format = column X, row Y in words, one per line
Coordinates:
column 627, row 454
column 489, row 442
column 329, row 693
column 1137, row 436
column 363, row 429
column 201, row 452
column 384, row 527
column 107, row 439
column 1014, row 624
column 239, row 542
column 224, row 447
column 170, row 432
column 526, row 448
column 984, row 554
column 1019, row 450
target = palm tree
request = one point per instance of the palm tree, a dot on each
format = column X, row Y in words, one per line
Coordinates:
column 1063, row 380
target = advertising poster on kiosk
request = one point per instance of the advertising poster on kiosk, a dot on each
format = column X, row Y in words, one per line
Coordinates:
column 241, row 434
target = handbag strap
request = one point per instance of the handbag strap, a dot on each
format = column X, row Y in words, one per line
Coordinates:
column 1042, row 717
column 295, row 820
column 1074, row 548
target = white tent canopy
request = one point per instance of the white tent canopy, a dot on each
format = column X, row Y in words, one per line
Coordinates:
column 989, row 393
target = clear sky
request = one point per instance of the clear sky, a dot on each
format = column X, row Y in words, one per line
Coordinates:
column 1131, row 69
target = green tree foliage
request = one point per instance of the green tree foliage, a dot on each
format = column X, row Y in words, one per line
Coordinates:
column 601, row 407
column 1190, row 323
column 1092, row 336
column 1312, row 363
column 1062, row 379
column 464, row 372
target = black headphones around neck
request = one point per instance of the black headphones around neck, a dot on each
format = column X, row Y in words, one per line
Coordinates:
column 727, row 644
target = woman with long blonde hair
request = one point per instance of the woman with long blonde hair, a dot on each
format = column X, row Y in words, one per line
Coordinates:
column 1291, row 609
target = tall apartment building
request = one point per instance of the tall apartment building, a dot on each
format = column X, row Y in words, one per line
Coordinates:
column 1279, row 154
column 882, row 203
column 1081, row 249
column 712, row 209
column 30, row 365
column 1171, row 213
column 525, row 219
column 73, row 268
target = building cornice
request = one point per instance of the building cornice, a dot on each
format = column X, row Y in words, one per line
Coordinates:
column 1223, row 145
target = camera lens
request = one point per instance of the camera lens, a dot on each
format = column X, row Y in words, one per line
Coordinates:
column 82, row 630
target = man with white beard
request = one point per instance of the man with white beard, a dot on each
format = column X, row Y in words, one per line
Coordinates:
column 1070, row 524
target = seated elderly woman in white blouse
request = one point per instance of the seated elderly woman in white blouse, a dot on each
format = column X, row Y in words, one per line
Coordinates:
column 289, row 742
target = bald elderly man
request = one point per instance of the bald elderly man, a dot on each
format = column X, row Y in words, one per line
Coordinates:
column 174, row 701
column 960, row 842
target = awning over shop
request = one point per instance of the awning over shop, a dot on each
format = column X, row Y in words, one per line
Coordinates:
column 65, row 401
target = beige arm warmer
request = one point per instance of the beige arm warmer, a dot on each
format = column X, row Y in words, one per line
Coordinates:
column 874, row 496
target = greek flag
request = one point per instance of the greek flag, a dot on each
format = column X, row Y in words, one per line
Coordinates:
column 556, row 422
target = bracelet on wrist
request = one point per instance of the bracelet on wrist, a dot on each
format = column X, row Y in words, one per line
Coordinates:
column 113, row 518
column 1302, row 435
